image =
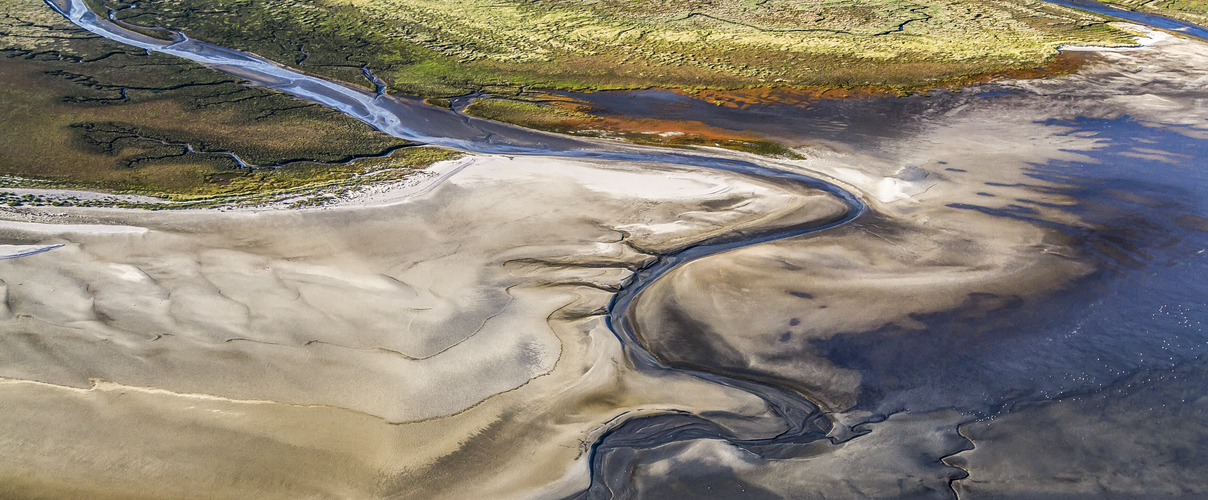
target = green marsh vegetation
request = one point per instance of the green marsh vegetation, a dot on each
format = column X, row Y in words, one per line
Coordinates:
column 299, row 184
column 80, row 111
column 439, row 48
column 532, row 115
column 505, row 49
column 77, row 111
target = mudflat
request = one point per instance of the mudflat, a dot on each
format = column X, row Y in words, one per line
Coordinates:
column 376, row 345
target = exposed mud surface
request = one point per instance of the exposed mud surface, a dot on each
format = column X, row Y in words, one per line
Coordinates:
column 606, row 321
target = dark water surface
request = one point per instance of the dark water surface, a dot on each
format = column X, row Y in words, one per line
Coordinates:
column 1141, row 197
column 838, row 121
column 1146, row 307
column 1151, row 20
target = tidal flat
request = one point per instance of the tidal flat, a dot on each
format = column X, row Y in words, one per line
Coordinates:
column 1023, row 298
column 990, row 293
column 420, row 327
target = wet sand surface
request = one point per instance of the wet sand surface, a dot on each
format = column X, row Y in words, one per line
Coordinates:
column 422, row 339
column 1017, row 315
column 1037, row 300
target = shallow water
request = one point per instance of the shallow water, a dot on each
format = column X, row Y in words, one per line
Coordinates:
column 1141, row 202
column 1156, row 21
column 1141, row 310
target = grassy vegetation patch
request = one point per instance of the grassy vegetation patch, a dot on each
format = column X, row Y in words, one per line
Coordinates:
column 303, row 184
column 437, row 48
column 553, row 117
column 438, row 102
column 78, row 110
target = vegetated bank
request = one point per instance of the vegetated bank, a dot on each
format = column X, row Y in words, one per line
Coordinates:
column 434, row 48
column 1192, row 11
column 78, row 111
column 437, row 49
column 580, row 114
column 116, row 119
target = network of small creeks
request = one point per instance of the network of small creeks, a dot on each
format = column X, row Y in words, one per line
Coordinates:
column 802, row 422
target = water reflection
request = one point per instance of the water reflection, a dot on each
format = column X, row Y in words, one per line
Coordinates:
column 1137, row 323
column 1142, row 200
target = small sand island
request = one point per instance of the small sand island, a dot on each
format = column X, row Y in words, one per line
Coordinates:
column 595, row 250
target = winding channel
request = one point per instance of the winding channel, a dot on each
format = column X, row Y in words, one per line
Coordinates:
column 410, row 119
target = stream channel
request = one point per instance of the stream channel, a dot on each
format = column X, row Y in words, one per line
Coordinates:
column 410, row 119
